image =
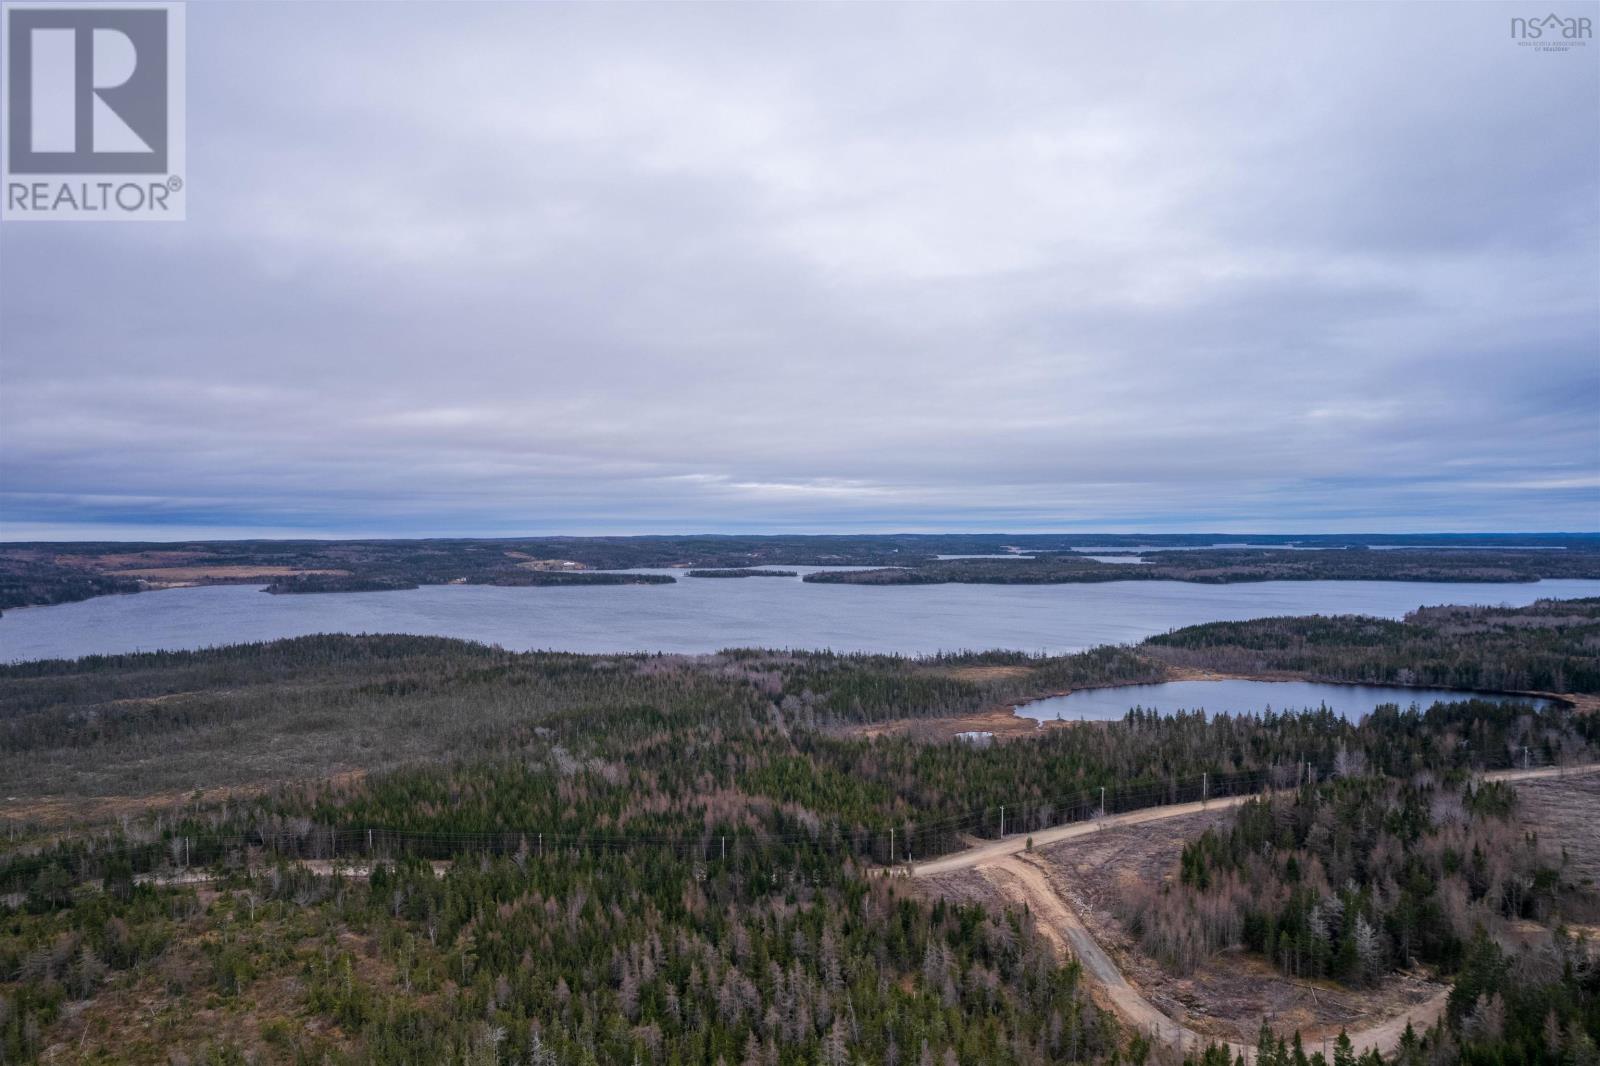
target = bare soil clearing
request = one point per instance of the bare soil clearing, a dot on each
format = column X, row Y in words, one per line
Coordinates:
column 1567, row 812
column 175, row 569
column 1003, row 722
column 1071, row 872
column 1227, row 997
column 989, row 673
column 55, row 812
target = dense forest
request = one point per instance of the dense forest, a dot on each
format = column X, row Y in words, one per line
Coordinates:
column 678, row 859
column 44, row 573
column 1353, row 878
column 1549, row 646
column 690, row 898
column 1226, row 566
column 770, row 958
column 27, row 581
column 315, row 706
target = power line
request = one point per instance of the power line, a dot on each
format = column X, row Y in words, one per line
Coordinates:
column 380, row 842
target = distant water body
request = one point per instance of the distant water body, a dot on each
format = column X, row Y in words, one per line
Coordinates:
column 1239, row 697
column 702, row 615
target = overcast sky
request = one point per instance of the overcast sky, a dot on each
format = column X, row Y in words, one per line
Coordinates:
column 503, row 269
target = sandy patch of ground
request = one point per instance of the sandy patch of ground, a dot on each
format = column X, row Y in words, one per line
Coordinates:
column 989, row 673
column 1003, row 722
column 1582, row 702
column 1195, row 673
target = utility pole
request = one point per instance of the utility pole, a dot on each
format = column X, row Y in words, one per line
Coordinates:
column 1102, row 799
column 891, row 845
column 541, row 845
column 724, row 849
column 1203, row 778
column 1002, row 819
column 1526, row 756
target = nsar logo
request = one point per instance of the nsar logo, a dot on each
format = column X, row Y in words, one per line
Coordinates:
column 1553, row 33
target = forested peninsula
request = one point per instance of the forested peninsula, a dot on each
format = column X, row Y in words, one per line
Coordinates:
column 41, row 573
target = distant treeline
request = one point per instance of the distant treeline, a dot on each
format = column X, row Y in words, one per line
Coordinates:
column 1354, row 878
column 310, row 583
column 39, row 573
column 1549, row 646
column 1237, row 565
column 742, row 573
column 37, row 582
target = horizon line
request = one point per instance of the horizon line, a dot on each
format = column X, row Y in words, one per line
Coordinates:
column 1457, row 534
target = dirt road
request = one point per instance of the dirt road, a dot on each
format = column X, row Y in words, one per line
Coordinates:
column 987, row 853
column 1023, row 879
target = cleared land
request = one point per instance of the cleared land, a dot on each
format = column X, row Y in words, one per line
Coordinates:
column 1567, row 811
column 187, row 575
column 1071, row 874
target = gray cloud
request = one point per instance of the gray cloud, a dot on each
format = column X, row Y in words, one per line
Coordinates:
column 501, row 268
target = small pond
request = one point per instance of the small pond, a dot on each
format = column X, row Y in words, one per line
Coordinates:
column 1242, row 697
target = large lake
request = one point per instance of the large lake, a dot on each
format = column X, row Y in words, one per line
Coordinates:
column 1239, row 697
column 706, row 614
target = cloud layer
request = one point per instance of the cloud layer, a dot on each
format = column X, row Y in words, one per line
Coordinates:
column 499, row 269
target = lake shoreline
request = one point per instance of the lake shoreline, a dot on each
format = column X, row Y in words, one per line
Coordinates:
column 1181, row 674
column 1004, row 720
column 709, row 616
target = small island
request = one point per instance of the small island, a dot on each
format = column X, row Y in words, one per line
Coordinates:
column 744, row 573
